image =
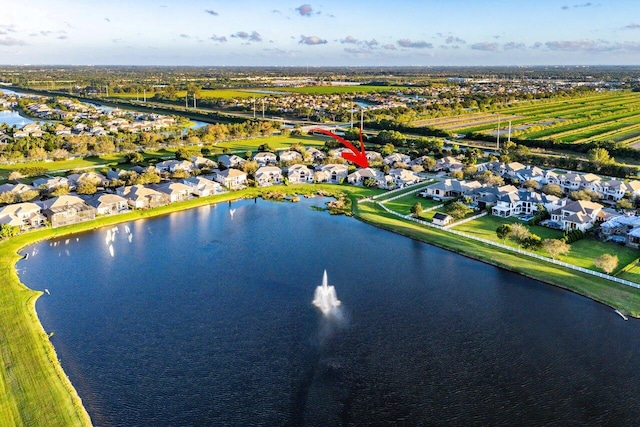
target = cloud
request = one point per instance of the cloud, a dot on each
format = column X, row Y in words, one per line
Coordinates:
column 252, row 37
column 536, row 45
column 631, row 27
column 489, row 47
column 107, row 19
column 513, row 46
column 62, row 37
column 593, row 46
column 211, row 12
column 589, row 4
column 349, row 39
column 414, row 45
column 389, row 47
column 276, row 11
column 305, row 10
column 185, row 36
column 10, row 41
column 118, row 40
column 565, row 7
column 8, row 28
column 311, row 40
column 220, row 39
column 456, row 40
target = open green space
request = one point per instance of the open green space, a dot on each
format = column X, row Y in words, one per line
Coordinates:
column 582, row 253
column 329, row 90
column 403, row 204
column 277, row 142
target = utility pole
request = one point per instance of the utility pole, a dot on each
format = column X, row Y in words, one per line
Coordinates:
column 194, row 100
column 107, row 90
column 137, row 98
column 361, row 120
column 186, row 101
column 509, row 134
column 498, row 137
column 254, row 107
column 262, row 108
column 351, row 124
column 144, row 95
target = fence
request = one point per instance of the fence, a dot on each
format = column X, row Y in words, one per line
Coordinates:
column 512, row 249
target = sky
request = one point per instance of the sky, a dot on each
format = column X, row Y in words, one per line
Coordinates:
column 324, row 33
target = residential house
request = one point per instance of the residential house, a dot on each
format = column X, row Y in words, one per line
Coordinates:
column 66, row 210
column 372, row 156
column 524, row 202
column 615, row 190
column 22, row 215
column 290, row 156
column 265, row 158
column 202, row 187
column 299, row 174
column 332, row 173
column 175, row 191
column 141, row 197
column 448, row 164
column 62, row 130
column 578, row 215
column 488, row 196
column 360, row 176
column 442, row 219
column 576, row 181
column 173, row 165
column 316, row 155
column 268, row 175
column 203, row 163
column 233, row 179
column 402, row 177
column 231, row 161
column 15, row 188
column 107, row 204
column 96, row 178
column 52, row 183
column 449, row 189
column 394, row 158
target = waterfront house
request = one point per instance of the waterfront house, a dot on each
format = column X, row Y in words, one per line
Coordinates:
column 268, row 175
column 175, row 191
column 141, row 197
column 265, row 158
column 107, row 204
column 233, row 179
column 22, row 215
column 299, row 174
column 579, row 215
column 332, row 173
column 66, row 210
column 202, row 187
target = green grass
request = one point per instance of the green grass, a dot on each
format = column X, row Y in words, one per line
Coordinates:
column 87, row 162
column 403, row 204
column 329, row 90
column 276, row 142
column 582, row 253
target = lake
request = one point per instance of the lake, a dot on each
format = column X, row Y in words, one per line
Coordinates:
column 12, row 117
column 205, row 318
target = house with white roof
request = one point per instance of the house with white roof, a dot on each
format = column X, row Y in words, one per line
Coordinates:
column 22, row 215
column 265, row 158
column 299, row 174
column 268, row 175
column 579, row 215
column 331, row 173
column 203, row 187
column 67, row 209
column 233, row 179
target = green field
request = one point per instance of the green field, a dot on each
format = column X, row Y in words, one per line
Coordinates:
column 601, row 116
column 582, row 253
column 277, row 142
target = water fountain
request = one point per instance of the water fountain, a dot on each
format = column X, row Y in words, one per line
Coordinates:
column 325, row 297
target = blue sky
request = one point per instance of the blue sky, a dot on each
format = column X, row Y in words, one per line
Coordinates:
column 354, row 32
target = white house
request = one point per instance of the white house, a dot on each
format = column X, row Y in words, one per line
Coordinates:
column 141, row 197
column 175, row 191
column 265, row 158
column 300, row 174
column 23, row 215
column 231, row 161
column 290, row 156
column 233, row 179
column 332, row 173
column 202, row 187
column 362, row 175
column 578, row 215
column 107, row 204
column 402, row 177
column 268, row 175
column 394, row 158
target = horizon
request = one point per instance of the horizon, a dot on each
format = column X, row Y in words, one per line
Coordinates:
column 246, row 33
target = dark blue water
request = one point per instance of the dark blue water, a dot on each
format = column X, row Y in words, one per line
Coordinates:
column 205, row 319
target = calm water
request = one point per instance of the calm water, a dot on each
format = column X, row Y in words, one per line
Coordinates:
column 12, row 117
column 206, row 319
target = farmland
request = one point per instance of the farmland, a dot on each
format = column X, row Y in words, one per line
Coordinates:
column 609, row 116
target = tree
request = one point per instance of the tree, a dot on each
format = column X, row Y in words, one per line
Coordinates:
column 134, row 157
column 266, row 147
column 416, row 209
column 586, row 194
column 490, row 178
column 457, row 210
column 503, row 231
column 519, row 234
column 533, row 241
column 555, row 247
column 457, row 175
column 623, row 204
column 60, row 191
column 387, row 149
column 530, row 184
column 86, row 187
column 553, row 190
column 182, row 154
column 599, row 157
column 7, row 231
column 606, row 262
column 429, row 163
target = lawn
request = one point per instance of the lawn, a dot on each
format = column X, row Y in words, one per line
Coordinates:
column 63, row 165
column 276, row 142
column 329, row 90
column 403, row 204
column 582, row 253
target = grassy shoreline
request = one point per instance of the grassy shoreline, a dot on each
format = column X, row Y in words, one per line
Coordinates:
column 35, row 391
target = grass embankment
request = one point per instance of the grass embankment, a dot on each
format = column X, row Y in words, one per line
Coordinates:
column 610, row 293
column 34, row 390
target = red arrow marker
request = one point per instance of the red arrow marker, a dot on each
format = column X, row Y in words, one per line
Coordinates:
column 356, row 156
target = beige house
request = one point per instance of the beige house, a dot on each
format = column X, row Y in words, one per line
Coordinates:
column 141, row 197
column 233, row 179
column 23, row 215
column 66, row 210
